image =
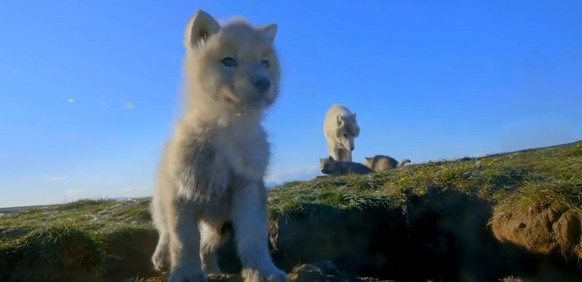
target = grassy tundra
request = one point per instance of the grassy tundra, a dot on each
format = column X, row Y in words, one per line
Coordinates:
column 471, row 219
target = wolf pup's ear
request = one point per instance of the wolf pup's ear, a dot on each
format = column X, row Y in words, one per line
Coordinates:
column 354, row 116
column 270, row 31
column 340, row 120
column 330, row 158
column 200, row 26
column 368, row 159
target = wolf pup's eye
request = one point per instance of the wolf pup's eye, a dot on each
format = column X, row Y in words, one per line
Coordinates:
column 265, row 63
column 229, row 62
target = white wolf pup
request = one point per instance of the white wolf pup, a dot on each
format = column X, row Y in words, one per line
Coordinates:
column 382, row 163
column 333, row 167
column 212, row 169
column 340, row 129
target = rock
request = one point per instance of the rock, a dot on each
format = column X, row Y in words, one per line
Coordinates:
column 322, row 271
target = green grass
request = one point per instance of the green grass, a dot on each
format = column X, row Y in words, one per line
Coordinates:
column 516, row 180
column 91, row 215
column 319, row 196
column 511, row 180
column 37, row 243
column 559, row 193
column 35, row 255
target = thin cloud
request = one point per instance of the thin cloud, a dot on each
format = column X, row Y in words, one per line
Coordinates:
column 77, row 191
column 57, row 178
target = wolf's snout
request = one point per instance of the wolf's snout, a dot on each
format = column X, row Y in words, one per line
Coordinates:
column 261, row 83
column 351, row 148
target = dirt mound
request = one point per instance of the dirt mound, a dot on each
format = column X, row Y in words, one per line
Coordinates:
column 548, row 230
column 443, row 235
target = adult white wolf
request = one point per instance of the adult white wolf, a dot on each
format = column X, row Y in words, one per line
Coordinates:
column 212, row 170
column 340, row 129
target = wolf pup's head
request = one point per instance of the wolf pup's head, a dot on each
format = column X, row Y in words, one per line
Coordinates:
column 328, row 165
column 368, row 161
column 234, row 66
column 348, row 130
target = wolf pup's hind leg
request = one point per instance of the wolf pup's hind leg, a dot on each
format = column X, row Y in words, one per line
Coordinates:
column 212, row 237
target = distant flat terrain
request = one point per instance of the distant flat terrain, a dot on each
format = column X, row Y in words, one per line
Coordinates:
column 23, row 208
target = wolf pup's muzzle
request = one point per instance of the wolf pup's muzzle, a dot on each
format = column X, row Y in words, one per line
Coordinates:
column 261, row 83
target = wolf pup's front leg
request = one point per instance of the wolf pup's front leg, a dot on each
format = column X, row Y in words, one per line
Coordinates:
column 184, row 241
column 249, row 219
column 160, row 258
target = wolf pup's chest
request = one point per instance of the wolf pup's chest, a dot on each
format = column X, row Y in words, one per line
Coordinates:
column 247, row 158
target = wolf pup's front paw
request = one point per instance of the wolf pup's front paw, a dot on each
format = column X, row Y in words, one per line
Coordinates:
column 161, row 261
column 185, row 274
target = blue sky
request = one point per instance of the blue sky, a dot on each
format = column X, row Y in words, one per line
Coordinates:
column 429, row 81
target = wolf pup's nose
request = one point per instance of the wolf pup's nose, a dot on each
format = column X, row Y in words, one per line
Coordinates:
column 351, row 148
column 261, row 83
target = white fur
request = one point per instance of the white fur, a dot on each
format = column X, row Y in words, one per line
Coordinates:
column 340, row 129
column 212, row 169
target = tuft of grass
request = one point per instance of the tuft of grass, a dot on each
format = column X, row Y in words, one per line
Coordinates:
column 44, row 253
column 323, row 196
column 560, row 193
column 36, row 244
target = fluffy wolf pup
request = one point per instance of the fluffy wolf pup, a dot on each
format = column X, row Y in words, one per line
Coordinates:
column 333, row 167
column 382, row 163
column 212, row 169
column 340, row 129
